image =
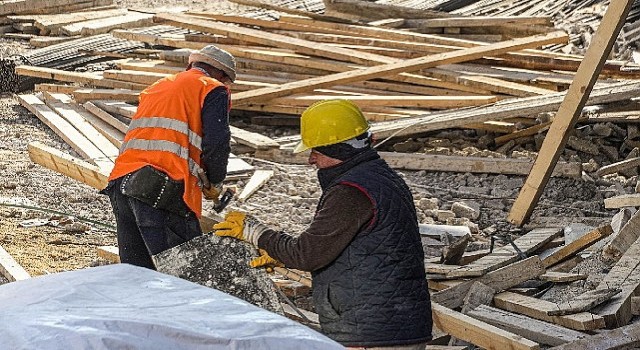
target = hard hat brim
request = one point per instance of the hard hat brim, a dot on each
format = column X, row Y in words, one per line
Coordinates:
column 300, row 147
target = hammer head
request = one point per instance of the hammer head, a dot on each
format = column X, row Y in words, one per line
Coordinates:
column 225, row 199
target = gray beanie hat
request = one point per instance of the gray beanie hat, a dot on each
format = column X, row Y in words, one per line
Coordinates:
column 217, row 58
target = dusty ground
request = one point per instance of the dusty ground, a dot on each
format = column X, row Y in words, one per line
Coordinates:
column 286, row 202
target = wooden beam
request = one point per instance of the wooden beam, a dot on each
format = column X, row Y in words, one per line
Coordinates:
column 259, row 178
column 507, row 254
column 625, row 275
column 617, row 166
column 524, row 106
column 584, row 302
column 530, row 328
column 105, row 25
column 623, row 200
column 414, row 161
column 500, row 279
column 75, row 77
column 398, row 67
column 622, row 338
column 64, row 163
column 265, row 38
column 623, row 239
column 537, row 308
column 78, row 117
column 562, row 277
column 10, row 269
column 477, row 332
column 570, row 110
column 66, row 131
column 579, row 244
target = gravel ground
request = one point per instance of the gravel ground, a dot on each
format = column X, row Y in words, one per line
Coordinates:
column 286, row 203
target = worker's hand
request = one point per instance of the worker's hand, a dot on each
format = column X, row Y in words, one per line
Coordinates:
column 241, row 226
column 213, row 192
column 264, row 260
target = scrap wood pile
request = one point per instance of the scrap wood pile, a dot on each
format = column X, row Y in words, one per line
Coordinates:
column 500, row 80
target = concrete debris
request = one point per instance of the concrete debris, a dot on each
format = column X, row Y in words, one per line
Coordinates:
column 221, row 263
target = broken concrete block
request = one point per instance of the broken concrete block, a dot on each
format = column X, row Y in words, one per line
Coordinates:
column 575, row 231
column 464, row 210
column 443, row 215
column 221, row 263
column 582, row 145
column 407, row 146
column 437, row 231
column 601, row 129
column 591, row 166
column 427, row 203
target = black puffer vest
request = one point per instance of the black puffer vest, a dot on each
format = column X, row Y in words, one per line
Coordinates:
column 375, row 292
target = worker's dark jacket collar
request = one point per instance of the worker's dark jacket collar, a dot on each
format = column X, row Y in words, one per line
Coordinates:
column 327, row 175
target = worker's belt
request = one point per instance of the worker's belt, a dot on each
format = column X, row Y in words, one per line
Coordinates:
column 155, row 188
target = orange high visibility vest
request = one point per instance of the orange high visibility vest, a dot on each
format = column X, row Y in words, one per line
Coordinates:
column 166, row 132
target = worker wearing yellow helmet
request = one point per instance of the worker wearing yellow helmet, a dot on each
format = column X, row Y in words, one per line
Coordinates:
column 363, row 246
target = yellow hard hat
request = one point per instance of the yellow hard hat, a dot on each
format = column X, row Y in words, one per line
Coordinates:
column 329, row 122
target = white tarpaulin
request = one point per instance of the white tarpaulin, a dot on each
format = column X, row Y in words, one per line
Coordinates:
column 127, row 307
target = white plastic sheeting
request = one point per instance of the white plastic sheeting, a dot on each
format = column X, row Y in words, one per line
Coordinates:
column 127, row 307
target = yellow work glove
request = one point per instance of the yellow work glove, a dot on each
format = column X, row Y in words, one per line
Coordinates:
column 240, row 226
column 264, row 260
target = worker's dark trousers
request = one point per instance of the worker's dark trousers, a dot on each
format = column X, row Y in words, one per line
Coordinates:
column 144, row 231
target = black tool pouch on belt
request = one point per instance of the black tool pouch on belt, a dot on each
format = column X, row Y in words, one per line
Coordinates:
column 155, row 188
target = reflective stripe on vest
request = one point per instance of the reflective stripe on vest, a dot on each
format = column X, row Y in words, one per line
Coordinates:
column 167, row 123
column 163, row 145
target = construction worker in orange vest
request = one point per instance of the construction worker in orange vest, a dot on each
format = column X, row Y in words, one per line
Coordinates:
column 176, row 148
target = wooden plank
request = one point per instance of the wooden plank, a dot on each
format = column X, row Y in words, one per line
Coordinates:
column 252, row 139
column 584, row 302
column 105, row 25
column 115, row 136
column 78, row 117
column 530, row 328
column 394, row 68
column 480, row 21
column 430, row 102
column 75, row 77
column 10, row 269
column 259, row 178
column 569, row 111
column 579, row 244
column 109, row 253
column 501, row 110
column 106, row 117
column 623, row 200
column 537, row 308
column 500, row 279
column 85, row 95
column 562, row 277
column 68, row 165
column 618, row 166
column 23, row 6
column 477, row 332
column 618, row 339
column 265, row 38
column 507, row 254
column 625, row 275
column 414, row 161
column 623, row 239
column 66, row 131
column 51, row 23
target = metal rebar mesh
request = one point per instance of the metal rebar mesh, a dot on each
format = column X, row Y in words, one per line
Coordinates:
column 64, row 56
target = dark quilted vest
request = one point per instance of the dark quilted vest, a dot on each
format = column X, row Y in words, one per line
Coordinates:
column 375, row 292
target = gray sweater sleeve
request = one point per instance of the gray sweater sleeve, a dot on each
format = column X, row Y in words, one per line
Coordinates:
column 346, row 212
